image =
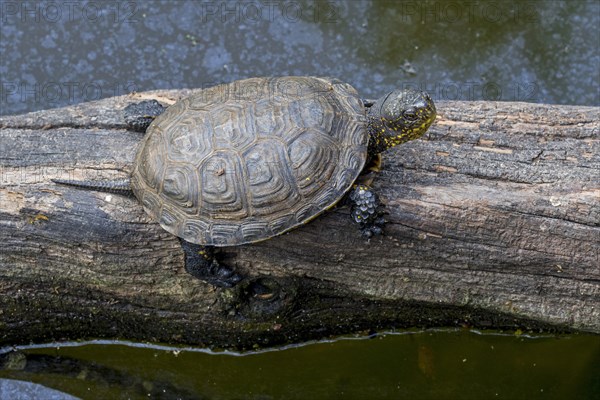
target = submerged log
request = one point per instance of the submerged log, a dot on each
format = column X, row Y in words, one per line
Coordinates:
column 494, row 221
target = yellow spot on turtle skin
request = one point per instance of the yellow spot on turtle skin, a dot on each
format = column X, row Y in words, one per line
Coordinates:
column 203, row 254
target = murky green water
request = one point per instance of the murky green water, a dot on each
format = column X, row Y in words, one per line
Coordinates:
column 451, row 364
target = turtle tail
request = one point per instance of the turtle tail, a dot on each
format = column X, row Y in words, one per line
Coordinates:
column 120, row 186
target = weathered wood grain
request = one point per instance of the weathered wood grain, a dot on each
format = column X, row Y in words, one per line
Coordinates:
column 494, row 221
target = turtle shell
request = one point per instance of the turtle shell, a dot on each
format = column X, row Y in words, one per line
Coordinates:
column 242, row 162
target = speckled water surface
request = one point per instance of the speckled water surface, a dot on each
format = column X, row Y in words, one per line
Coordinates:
column 56, row 53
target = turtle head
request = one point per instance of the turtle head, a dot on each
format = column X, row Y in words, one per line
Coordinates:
column 398, row 117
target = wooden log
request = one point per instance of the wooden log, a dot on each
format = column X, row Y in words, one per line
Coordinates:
column 494, row 221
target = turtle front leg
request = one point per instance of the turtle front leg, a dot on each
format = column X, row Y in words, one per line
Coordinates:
column 200, row 262
column 366, row 210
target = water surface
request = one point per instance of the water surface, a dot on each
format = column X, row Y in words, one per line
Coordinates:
column 439, row 364
column 58, row 53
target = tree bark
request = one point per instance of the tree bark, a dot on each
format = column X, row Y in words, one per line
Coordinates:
column 494, row 221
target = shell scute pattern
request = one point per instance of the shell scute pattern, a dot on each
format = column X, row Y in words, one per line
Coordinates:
column 282, row 223
column 322, row 200
column 171, row 115
column 181, row 185
column 168, row 217
column 242, row 162
column 196, row 228
column 232, row 126
column 150, row 201
column 270, row 119
column 251, row 90
column 255, row 231
column 222, row 234
column 313, row 112
column 341, row 125
column 222, row 194
column 206, row 98
column 271, row 186
column 151, row 162
column 184, row 143
column 306, row 212
column 310, row 156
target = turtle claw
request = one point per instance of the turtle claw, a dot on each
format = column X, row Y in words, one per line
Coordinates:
column 373, row 229
column 201, row 263
column 221, row 275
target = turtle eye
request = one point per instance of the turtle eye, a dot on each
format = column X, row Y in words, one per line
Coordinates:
column 410, row 115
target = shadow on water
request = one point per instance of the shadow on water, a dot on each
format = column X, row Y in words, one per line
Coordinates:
column 449, row 364
column 60, row 53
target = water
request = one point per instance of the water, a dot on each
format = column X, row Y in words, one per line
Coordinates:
column 56, row 53
column 441, row 364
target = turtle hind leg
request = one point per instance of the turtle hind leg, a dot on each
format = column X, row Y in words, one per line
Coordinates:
column 139, row 116
column 201, row 263
column 366, row 210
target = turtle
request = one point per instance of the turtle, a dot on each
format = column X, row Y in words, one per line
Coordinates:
column 246, row 161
